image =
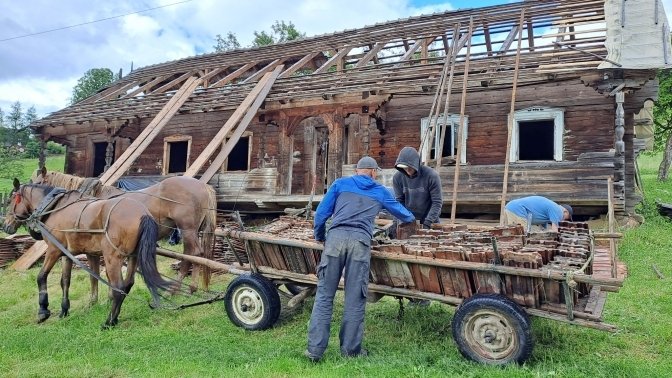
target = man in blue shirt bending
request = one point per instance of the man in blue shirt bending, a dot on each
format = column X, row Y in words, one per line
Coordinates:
column 537, row 212
column 352, row 203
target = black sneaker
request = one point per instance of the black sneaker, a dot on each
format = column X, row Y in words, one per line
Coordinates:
column 362, row 353
column 312, row 357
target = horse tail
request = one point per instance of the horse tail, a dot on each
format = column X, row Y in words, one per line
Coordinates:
column 207, row 230
column 148, row 234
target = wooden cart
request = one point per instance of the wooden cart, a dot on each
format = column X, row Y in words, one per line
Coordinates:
column 496, row 276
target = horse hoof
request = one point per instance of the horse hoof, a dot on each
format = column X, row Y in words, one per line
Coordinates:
column 43, row 315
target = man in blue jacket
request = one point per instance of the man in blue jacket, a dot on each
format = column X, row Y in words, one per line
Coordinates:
column 352, row 203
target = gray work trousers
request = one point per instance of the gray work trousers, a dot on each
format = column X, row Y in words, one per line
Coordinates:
column 349, row 250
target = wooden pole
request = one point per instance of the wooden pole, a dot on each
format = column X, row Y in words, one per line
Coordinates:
column 449, row 89
column 507, row 158
column 612, row 228
column 465, row 79
column 427, row 135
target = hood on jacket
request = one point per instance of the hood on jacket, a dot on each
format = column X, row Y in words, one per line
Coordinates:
column 408, row 156
column 364, row 182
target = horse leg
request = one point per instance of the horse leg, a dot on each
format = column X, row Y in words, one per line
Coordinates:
column 191, row 247
column 130, row 273
column 115, row 278
column 50, row 259
column 94, row 264
column 65, row 287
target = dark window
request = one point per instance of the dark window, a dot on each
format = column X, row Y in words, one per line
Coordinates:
column 238, row 158
column 99, row 153
column 536, row 140
column 177, row 161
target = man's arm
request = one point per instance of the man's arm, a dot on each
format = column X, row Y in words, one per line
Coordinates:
column 398, row 186
column 436, row 196
column 395, row 208
column 324, row 210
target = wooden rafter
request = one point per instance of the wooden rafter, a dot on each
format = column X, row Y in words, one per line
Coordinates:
column 233, row 75
column 125, row 161
column 371, row 54
column 170, row 85
column 298, row 65
column 145, row 87
column 411, row 50
column 116, row 93
column 488, row 40
column 333, row 60
column 217, row 140
column 255, row 76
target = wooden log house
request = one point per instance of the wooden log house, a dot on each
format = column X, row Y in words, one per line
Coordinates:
column 545, row 91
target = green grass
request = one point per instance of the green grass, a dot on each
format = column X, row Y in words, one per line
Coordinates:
column 53, row 163
column 201, row 341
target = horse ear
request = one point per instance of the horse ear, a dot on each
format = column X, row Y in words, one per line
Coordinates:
column 43, row 171
column 17, row 184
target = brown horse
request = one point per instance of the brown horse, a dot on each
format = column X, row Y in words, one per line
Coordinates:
column 176, row 202
column 116, row 229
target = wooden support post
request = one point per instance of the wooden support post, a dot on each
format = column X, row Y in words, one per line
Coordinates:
column 507, row 158
column 612, row 228
column 449, row 89
column 149, row 133
column 216, row 163
column 463, row 104
column 334, row 122
column 285, row 161
column 620, row 123
column 217, row 140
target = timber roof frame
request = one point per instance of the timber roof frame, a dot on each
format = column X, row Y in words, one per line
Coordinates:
column 562, row 39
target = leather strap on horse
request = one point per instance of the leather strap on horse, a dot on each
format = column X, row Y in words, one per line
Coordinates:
column 43, row 229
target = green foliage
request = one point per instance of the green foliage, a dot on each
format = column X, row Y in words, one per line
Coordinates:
column 227, row 43
column 54, row 148
column 26, row 169
column 662, row 110
column 10, row 165
column 93, row 80
column 262, row 38
column 32, row 150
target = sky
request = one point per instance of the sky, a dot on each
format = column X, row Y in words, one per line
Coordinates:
column 40, row 70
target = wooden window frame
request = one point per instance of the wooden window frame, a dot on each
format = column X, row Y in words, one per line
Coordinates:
column 246, row 134
column 442, row 121
column 166, row 150
column 557, row 115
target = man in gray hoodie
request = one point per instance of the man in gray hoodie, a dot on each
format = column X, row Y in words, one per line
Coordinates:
column 417, row 187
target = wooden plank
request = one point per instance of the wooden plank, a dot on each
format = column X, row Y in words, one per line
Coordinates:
column 463, row 104
column 418, row 43
column 217, row 140
column 216, row 164
column 372, row 53
column 145, row 87
column 233, row 75
column 298, row 65
column 170, row 85
column 333, row 60
column 264, row 70
column 149, row 133
column 31, row 256
column 507, row 158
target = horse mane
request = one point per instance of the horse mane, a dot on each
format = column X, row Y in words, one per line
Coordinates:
column 44, row 187
column 65, row 181
column 72, row 182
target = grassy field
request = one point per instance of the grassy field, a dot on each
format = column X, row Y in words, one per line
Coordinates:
column 201, row 341
column 53, row 163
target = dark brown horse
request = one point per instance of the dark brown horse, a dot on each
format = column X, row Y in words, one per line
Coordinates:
column 176, row 202
column 116, row 229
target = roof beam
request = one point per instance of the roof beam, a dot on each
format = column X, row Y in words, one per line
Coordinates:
column 333, row 60
column 298, row 65
column 371, row 54
column 255, row 76
column 411, row 50
column 146, row 86
column 233, row 75
column 173, row 83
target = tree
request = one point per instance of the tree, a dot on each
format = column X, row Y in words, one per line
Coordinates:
column 9, row 162
column 93, row 80
column 15, row 127
column 228, row 43
column 281, row 32
column 662, row 118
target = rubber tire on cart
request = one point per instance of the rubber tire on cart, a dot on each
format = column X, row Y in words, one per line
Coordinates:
column 252, row 302
column 492, row 329
column 295, row 289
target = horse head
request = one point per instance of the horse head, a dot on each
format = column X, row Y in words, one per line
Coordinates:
column 18, row 209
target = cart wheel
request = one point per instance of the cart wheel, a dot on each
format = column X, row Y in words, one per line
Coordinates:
column 295, row 289
column 491, row 329
column 252, row 302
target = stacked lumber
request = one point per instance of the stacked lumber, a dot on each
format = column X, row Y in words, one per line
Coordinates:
column 13, row 247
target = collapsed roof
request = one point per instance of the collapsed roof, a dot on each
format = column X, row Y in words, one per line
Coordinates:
column 559, row 39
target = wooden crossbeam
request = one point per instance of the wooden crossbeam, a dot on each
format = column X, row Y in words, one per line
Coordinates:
column 333, row 60
column 217, row 140
column 116, row 92
column 216, row 163
column 173, row 83
column 509, row 39
column 103, row 93
column 298, row 65
column 371, row 54
column 145, row 87
column 149, row 133
column 488, row 39
column 255, row 76
column 233, row 75
column 411, row 50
